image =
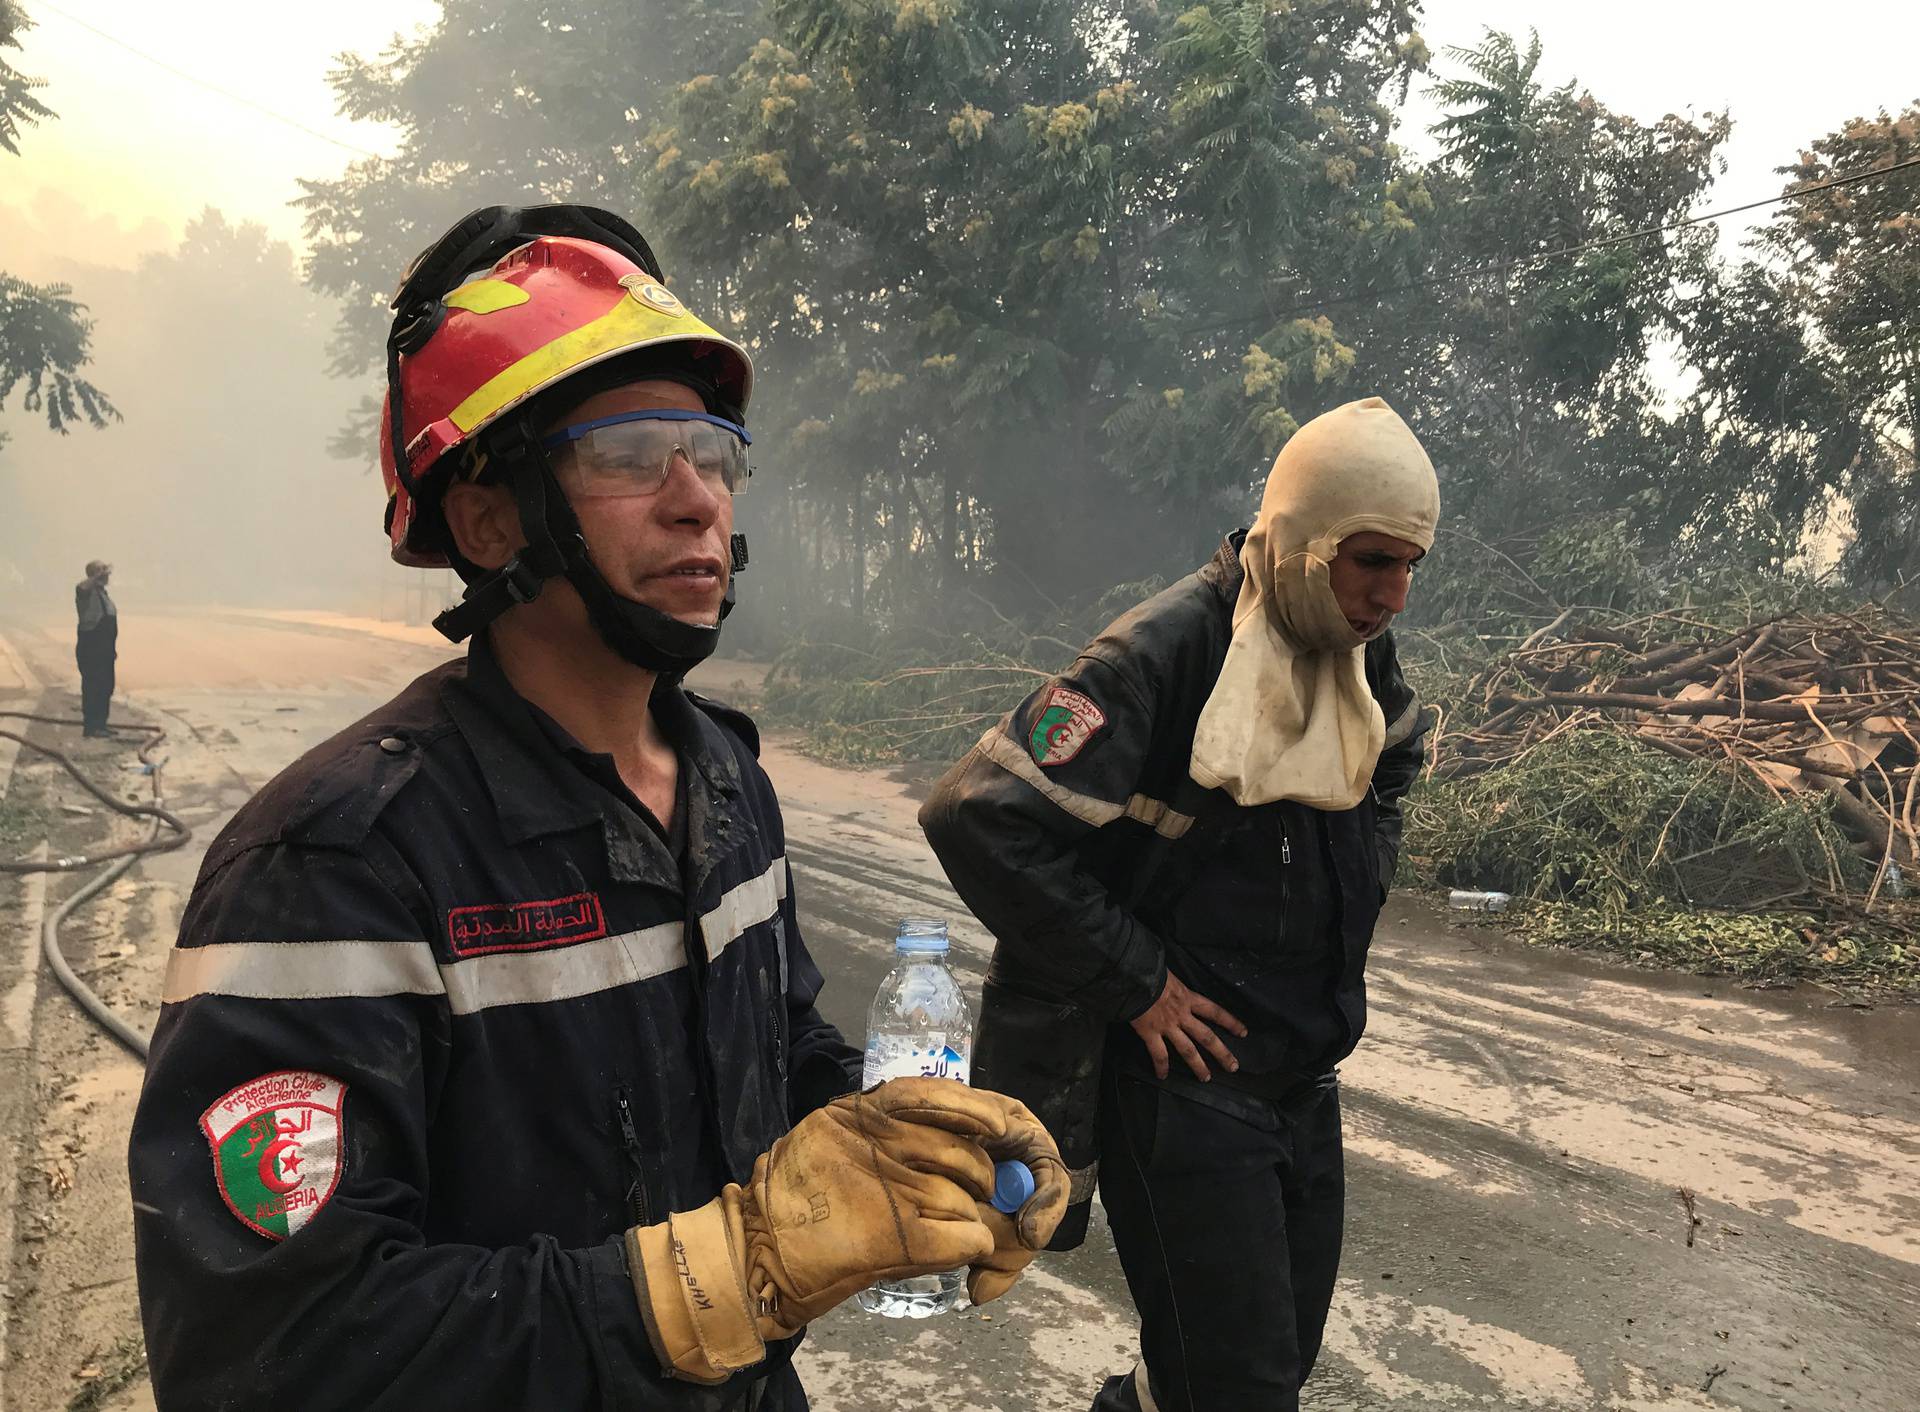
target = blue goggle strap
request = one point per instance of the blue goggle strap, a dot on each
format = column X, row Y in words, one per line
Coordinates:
column 574, row 433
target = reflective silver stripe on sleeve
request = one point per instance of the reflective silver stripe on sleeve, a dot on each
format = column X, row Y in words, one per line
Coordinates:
column 1143, row 1388
column 565, row 973
column 1403, row 724
column 302, row 970
column 328, row 970
column 744, row 905
column 1162, row 818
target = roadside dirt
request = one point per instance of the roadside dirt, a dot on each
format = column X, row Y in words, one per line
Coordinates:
column 237, row 705
column 74, row 1316
column 1520, row 1124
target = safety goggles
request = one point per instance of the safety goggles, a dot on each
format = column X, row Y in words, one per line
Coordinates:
column 632, row 454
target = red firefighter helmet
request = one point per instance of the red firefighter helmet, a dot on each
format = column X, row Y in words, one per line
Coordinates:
column 550, row 307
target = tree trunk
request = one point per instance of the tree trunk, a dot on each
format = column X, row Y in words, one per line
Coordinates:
column 860, row 549
column 949, row 529
column 902, row 526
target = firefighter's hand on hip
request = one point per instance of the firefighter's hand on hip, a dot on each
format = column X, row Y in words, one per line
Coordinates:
column 1184, row 1022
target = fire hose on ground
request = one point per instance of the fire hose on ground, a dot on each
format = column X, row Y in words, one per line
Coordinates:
column 121, row 859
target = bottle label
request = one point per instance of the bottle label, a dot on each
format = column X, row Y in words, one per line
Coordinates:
column 941, row 1061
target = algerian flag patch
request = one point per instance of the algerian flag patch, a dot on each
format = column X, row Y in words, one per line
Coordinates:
column 276, row 1148
column 1066, row 722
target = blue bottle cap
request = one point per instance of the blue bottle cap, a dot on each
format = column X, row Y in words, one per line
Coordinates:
column 1012, row 1185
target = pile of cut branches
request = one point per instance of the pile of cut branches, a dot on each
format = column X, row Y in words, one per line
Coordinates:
column 1819, row 710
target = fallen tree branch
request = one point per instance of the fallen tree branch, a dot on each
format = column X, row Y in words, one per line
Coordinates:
column 1663, row 706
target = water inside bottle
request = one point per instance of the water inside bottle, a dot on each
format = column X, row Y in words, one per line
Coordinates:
column 919, row 1298
column 918, row 1026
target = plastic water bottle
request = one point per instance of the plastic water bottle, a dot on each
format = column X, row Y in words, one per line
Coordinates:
column 919, row 1024
column 1461, row 901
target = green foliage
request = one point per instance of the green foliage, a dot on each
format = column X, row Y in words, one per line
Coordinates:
column 44, row 342
column 18, row 107
column 498, row 103
column 1596, row 819
column 921, row 692
column 1596, row 561
column 1583, row 831
column 1858, row 247
column 1525, row 370
column 1036, row 289
column 44, row 332
column 1492, row 106
column 1808, row 400
column 1766, row 434
column 928, row 703
column 995, row 258
column 1771, row 947
column 1593, row 561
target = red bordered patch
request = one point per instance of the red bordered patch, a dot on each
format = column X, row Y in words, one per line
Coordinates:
column 1065, row 723
column 277, row 1147
column 525, row 926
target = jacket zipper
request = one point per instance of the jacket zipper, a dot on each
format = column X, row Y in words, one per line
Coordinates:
column 779, row 1035
column 1286, row 872
column 1286, row 885
column 636, row 1167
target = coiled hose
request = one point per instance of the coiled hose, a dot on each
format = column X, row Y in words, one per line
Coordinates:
column 121, row 859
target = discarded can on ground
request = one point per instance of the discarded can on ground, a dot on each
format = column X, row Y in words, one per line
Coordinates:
column 1894, row 884
column 1461, row 901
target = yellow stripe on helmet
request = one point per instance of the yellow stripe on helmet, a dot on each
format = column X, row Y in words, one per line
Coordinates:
column 631, row 323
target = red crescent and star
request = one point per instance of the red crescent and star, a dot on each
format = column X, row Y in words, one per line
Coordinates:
column 271, row 1164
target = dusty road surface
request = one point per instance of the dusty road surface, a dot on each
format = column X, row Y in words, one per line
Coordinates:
column 1521, row 1125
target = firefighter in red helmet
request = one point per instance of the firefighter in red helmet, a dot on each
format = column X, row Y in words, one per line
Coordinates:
column 474, row 373
column 489, row 1072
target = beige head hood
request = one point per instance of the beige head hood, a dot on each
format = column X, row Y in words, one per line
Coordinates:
column 1291, row 716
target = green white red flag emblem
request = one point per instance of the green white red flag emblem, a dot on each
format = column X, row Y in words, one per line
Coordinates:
column 277, row 1143
column 1066, row 722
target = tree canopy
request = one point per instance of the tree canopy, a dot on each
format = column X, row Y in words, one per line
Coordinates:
column 1036, row 288
column 44, row 331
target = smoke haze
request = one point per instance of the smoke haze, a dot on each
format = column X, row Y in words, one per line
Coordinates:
column 217, row 485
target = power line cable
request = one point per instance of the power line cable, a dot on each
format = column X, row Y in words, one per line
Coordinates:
column 199, row 82
column 1461, row 276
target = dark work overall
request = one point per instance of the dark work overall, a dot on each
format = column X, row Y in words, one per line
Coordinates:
column 94, row 650
column 1227, row 1198
column 1099, row 872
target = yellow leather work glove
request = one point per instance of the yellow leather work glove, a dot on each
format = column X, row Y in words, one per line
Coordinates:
column 1006, row 1131
column 882, row 1185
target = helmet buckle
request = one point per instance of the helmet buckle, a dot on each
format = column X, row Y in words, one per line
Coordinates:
column 522, row 583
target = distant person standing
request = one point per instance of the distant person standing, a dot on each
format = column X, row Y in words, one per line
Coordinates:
column 96, row 646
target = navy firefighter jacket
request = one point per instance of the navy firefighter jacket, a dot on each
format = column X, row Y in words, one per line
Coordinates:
column 1047, row 825
column 448, row 1012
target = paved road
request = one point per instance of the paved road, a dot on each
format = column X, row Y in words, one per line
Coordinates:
column 1520, row 1126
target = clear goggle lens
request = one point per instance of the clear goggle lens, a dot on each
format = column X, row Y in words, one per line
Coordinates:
column 634, row 454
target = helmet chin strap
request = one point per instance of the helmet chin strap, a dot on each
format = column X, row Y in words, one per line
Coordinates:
column 642, row 635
